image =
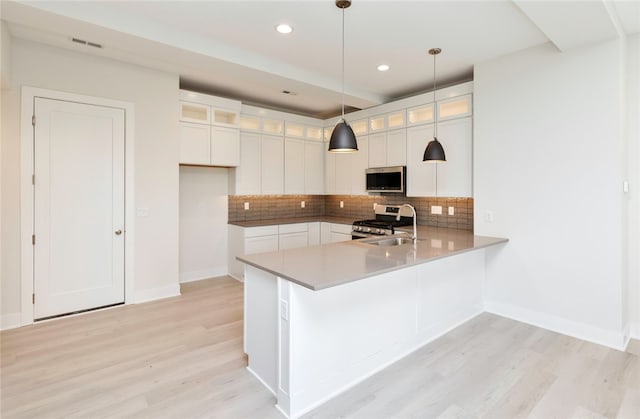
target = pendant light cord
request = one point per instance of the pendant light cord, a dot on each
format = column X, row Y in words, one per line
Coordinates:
column 435, row 106
column 343, row 63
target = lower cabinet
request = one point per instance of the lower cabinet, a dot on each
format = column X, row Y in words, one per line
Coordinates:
column 248, row 240
column 333, row 232
column 293, row 235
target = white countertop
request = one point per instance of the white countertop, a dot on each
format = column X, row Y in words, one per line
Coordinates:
column 329, row 265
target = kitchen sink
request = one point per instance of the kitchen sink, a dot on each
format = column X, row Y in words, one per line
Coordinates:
column 390, row 241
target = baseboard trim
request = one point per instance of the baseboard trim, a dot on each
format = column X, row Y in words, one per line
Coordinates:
column 237, row 278
column 262, row 381
column 10, row 321
column 158, row 293
column 204, row 274
column 609, row 338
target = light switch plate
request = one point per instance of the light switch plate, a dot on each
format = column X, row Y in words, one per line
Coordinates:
column 246, row 205
column 436, row 209
column 302, row 204
column 341, row 204
column 142, row 212
column 452, row 211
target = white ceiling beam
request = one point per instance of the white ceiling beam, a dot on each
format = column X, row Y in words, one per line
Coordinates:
column 23, row 13
column 571, row 24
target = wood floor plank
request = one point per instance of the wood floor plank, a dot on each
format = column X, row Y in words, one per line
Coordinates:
column 182, row 357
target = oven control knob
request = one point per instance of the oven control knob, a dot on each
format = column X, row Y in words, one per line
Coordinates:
column 366, row 229
column 379, row 231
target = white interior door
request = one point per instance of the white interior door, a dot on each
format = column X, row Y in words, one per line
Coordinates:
column 78, row 206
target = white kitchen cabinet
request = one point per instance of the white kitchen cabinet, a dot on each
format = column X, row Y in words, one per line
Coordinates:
column 248, row 240
column 261, row 244
column 313, row 168
column 378, row 149
column 329, row 171
column 209, row 145
column 294, row 165
column 334, row 232
column 455, row 107
column 195, row 112
column 293, row 240
column 225, row 146
column 422, row 114
column 360, row 127
column 195, row 143
column 247, row 177
column 421, row 179
column 293, row 130
column 314, row 237
column 293, row 235
column 272, row 167
column 454, row 177
column 345, row 172
column 359, row 165
column 340, row 232
column 388, row 148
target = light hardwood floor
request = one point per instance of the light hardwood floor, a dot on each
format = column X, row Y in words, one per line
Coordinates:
column 182, row 358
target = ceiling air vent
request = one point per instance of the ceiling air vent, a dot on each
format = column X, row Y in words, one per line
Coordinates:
column 83, row 42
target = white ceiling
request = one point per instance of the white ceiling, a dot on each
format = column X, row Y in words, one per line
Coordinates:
column 230, row 48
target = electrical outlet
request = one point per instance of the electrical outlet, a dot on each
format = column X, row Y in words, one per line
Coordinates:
column 488, row 216
column 436, row 209
column 302, row 204
column 374, row 206
column 341, row 204
column 246, row 205
column 142, row 212
column 452, row 211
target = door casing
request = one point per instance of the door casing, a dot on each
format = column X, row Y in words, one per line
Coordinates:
column 26, row 189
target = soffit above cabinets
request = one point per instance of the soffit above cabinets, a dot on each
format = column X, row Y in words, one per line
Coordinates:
column 231, row 49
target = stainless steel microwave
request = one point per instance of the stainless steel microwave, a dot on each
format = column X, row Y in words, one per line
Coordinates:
column 386, row 179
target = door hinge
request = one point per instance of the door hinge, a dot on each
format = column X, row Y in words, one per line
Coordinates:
column 33, row 120
column 33, row 239
column 33, row 298
column 33, row 179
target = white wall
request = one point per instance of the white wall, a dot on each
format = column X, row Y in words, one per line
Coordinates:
column 203, row 222
column 548, row 152
column 633, row 133
column 154, row 95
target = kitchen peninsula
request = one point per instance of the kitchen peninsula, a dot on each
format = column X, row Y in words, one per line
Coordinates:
column 320, row 319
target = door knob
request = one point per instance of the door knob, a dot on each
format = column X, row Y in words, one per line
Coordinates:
column 118, row 232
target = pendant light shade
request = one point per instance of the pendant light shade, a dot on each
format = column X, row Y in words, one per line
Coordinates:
column 343, row 140
column 434, row 153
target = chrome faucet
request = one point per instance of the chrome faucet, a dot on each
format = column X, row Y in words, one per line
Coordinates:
column 415, row 220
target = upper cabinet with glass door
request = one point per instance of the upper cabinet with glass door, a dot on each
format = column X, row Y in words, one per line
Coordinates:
column 456, row 107
column 200, row 113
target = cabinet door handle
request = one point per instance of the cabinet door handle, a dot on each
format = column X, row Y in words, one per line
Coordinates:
column 118, row 232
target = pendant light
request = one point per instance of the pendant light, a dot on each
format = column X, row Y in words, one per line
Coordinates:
column 434, row 153
column 343, row 140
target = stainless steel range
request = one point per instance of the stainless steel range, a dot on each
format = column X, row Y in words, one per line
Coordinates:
column 388, row 217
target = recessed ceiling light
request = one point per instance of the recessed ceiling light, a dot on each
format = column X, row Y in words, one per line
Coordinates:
column 383, row 67
column 284, row 28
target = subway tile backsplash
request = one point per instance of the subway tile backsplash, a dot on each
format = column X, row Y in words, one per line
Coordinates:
column 265, row 207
